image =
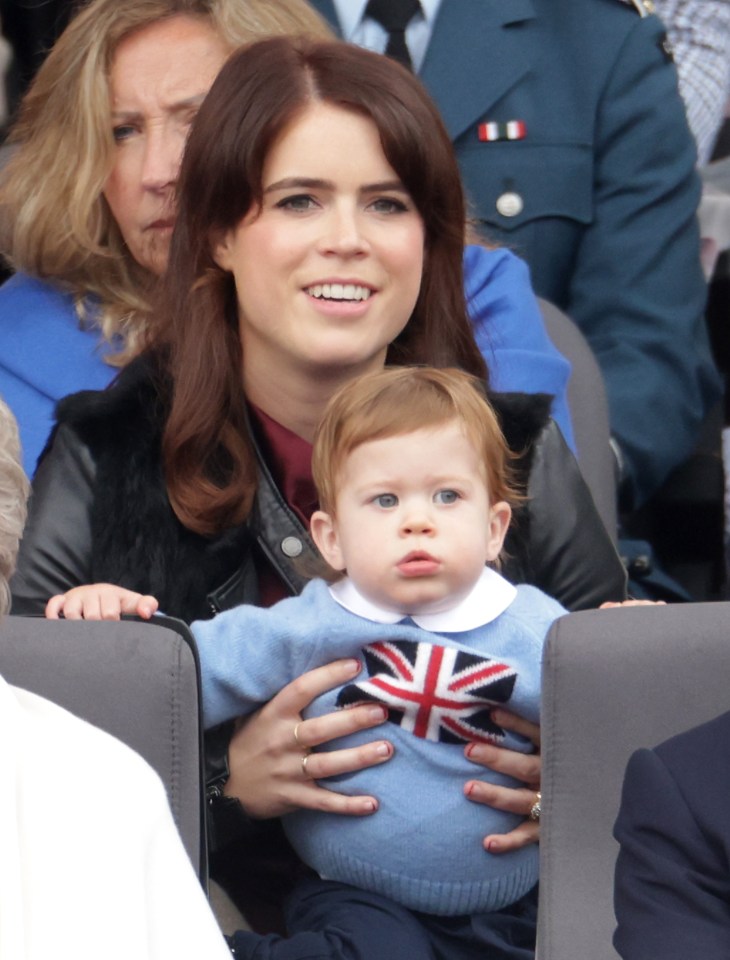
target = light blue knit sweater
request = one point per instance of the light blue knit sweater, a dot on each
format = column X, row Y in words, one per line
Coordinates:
column 423, row 847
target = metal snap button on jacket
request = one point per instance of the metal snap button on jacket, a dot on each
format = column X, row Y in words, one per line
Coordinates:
column 291, row 546
column 510, row 204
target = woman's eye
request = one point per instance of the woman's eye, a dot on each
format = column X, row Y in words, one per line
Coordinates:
column 446, row 496
column 386, row 500
column 388, row 205
column 301, row 202
column 123, row 132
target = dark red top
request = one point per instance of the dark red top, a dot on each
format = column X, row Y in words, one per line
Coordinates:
column 289, row 458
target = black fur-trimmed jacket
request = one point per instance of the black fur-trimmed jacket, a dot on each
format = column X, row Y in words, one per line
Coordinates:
column 99, row 513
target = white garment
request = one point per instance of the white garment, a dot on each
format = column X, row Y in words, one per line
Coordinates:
column 91, row 863
column 699, row 31
column 361, row 30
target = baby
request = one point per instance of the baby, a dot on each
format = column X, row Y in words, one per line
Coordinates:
column 413, row 478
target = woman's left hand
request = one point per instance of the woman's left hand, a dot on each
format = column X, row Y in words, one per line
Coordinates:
column 524, row 767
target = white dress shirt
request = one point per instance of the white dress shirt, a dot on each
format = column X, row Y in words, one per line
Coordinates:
column 361, row 30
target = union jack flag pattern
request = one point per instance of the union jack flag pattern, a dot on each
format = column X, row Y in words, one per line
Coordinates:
column 438, row 693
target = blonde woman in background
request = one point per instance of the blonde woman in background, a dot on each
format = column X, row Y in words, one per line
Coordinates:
column 87, row 198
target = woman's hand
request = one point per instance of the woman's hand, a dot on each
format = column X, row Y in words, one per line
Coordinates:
column 266, row 753
column 524, row 767
column 100, row 601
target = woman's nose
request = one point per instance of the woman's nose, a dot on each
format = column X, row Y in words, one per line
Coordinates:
column 162, row 157
column 343, row 235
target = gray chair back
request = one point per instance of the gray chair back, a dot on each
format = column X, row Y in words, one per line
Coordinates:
column 589, row 412
column 613, row 681
column 136, row 680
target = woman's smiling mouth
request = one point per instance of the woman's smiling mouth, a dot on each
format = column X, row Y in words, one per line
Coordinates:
column 339, row 291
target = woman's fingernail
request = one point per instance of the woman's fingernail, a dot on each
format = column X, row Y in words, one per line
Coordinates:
column 353, row 666
column 377, row 713
column 383, row 750
column 491, row 846
column 469, row 789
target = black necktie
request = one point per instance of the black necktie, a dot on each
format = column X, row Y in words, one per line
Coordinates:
column 394, row 16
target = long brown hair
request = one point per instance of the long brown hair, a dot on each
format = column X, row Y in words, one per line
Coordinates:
column 209, row 465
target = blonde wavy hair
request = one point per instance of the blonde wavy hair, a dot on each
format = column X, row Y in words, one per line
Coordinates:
column 56, row 222
column 13, row 496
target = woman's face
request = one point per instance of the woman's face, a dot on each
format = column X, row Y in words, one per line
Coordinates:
column 328, row 270
column 159, row 77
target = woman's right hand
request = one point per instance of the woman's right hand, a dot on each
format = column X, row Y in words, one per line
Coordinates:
column 265, row 755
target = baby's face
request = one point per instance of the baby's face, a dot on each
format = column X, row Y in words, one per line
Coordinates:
column 414, row 526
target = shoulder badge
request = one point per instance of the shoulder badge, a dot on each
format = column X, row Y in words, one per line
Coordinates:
column 642, row 7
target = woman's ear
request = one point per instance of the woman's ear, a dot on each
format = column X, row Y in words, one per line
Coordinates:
column 324, row 533
column 220, row 249
column 500, row 514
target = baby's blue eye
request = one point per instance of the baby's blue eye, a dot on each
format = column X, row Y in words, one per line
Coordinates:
column 446, row 496
column 386, row 500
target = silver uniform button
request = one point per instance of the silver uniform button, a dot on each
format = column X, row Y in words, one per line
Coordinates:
column 291, row 546
column 510, row 204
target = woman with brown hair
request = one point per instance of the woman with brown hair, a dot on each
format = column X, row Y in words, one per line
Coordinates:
column 319, row 235
column 87, row 204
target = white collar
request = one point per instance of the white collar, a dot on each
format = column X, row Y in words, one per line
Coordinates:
column 489, row 597
column 350, row 14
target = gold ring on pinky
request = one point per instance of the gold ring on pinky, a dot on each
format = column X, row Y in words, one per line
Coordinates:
column 296, row 734
column 535, row 809
column 304, row 766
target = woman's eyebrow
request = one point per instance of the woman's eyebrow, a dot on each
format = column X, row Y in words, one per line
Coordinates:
column 300, row 183
column 384, row 186
column 178, row 106
column 314, row 183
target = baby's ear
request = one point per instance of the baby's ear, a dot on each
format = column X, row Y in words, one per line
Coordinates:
column 324, row 533
column 500, row 514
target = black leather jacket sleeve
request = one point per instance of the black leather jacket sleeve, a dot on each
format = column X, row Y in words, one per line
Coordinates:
column 56, row 549
column 569, row 552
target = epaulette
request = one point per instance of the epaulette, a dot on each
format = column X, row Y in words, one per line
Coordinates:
column 642, row 7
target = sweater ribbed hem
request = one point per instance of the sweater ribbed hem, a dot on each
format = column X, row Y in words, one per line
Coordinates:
column 430, row 895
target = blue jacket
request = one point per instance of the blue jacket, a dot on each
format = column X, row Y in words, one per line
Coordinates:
column 606, row 194
column 44, row 355
column 673, row 870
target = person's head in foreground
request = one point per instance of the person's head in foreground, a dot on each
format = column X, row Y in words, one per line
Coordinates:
column 13, row 496
column 88, row 200
column 319, row 236
column 414, row 482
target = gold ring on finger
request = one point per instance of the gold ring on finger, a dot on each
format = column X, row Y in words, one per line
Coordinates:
column 296, row 734
column 306, row 775
column 535, row 809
